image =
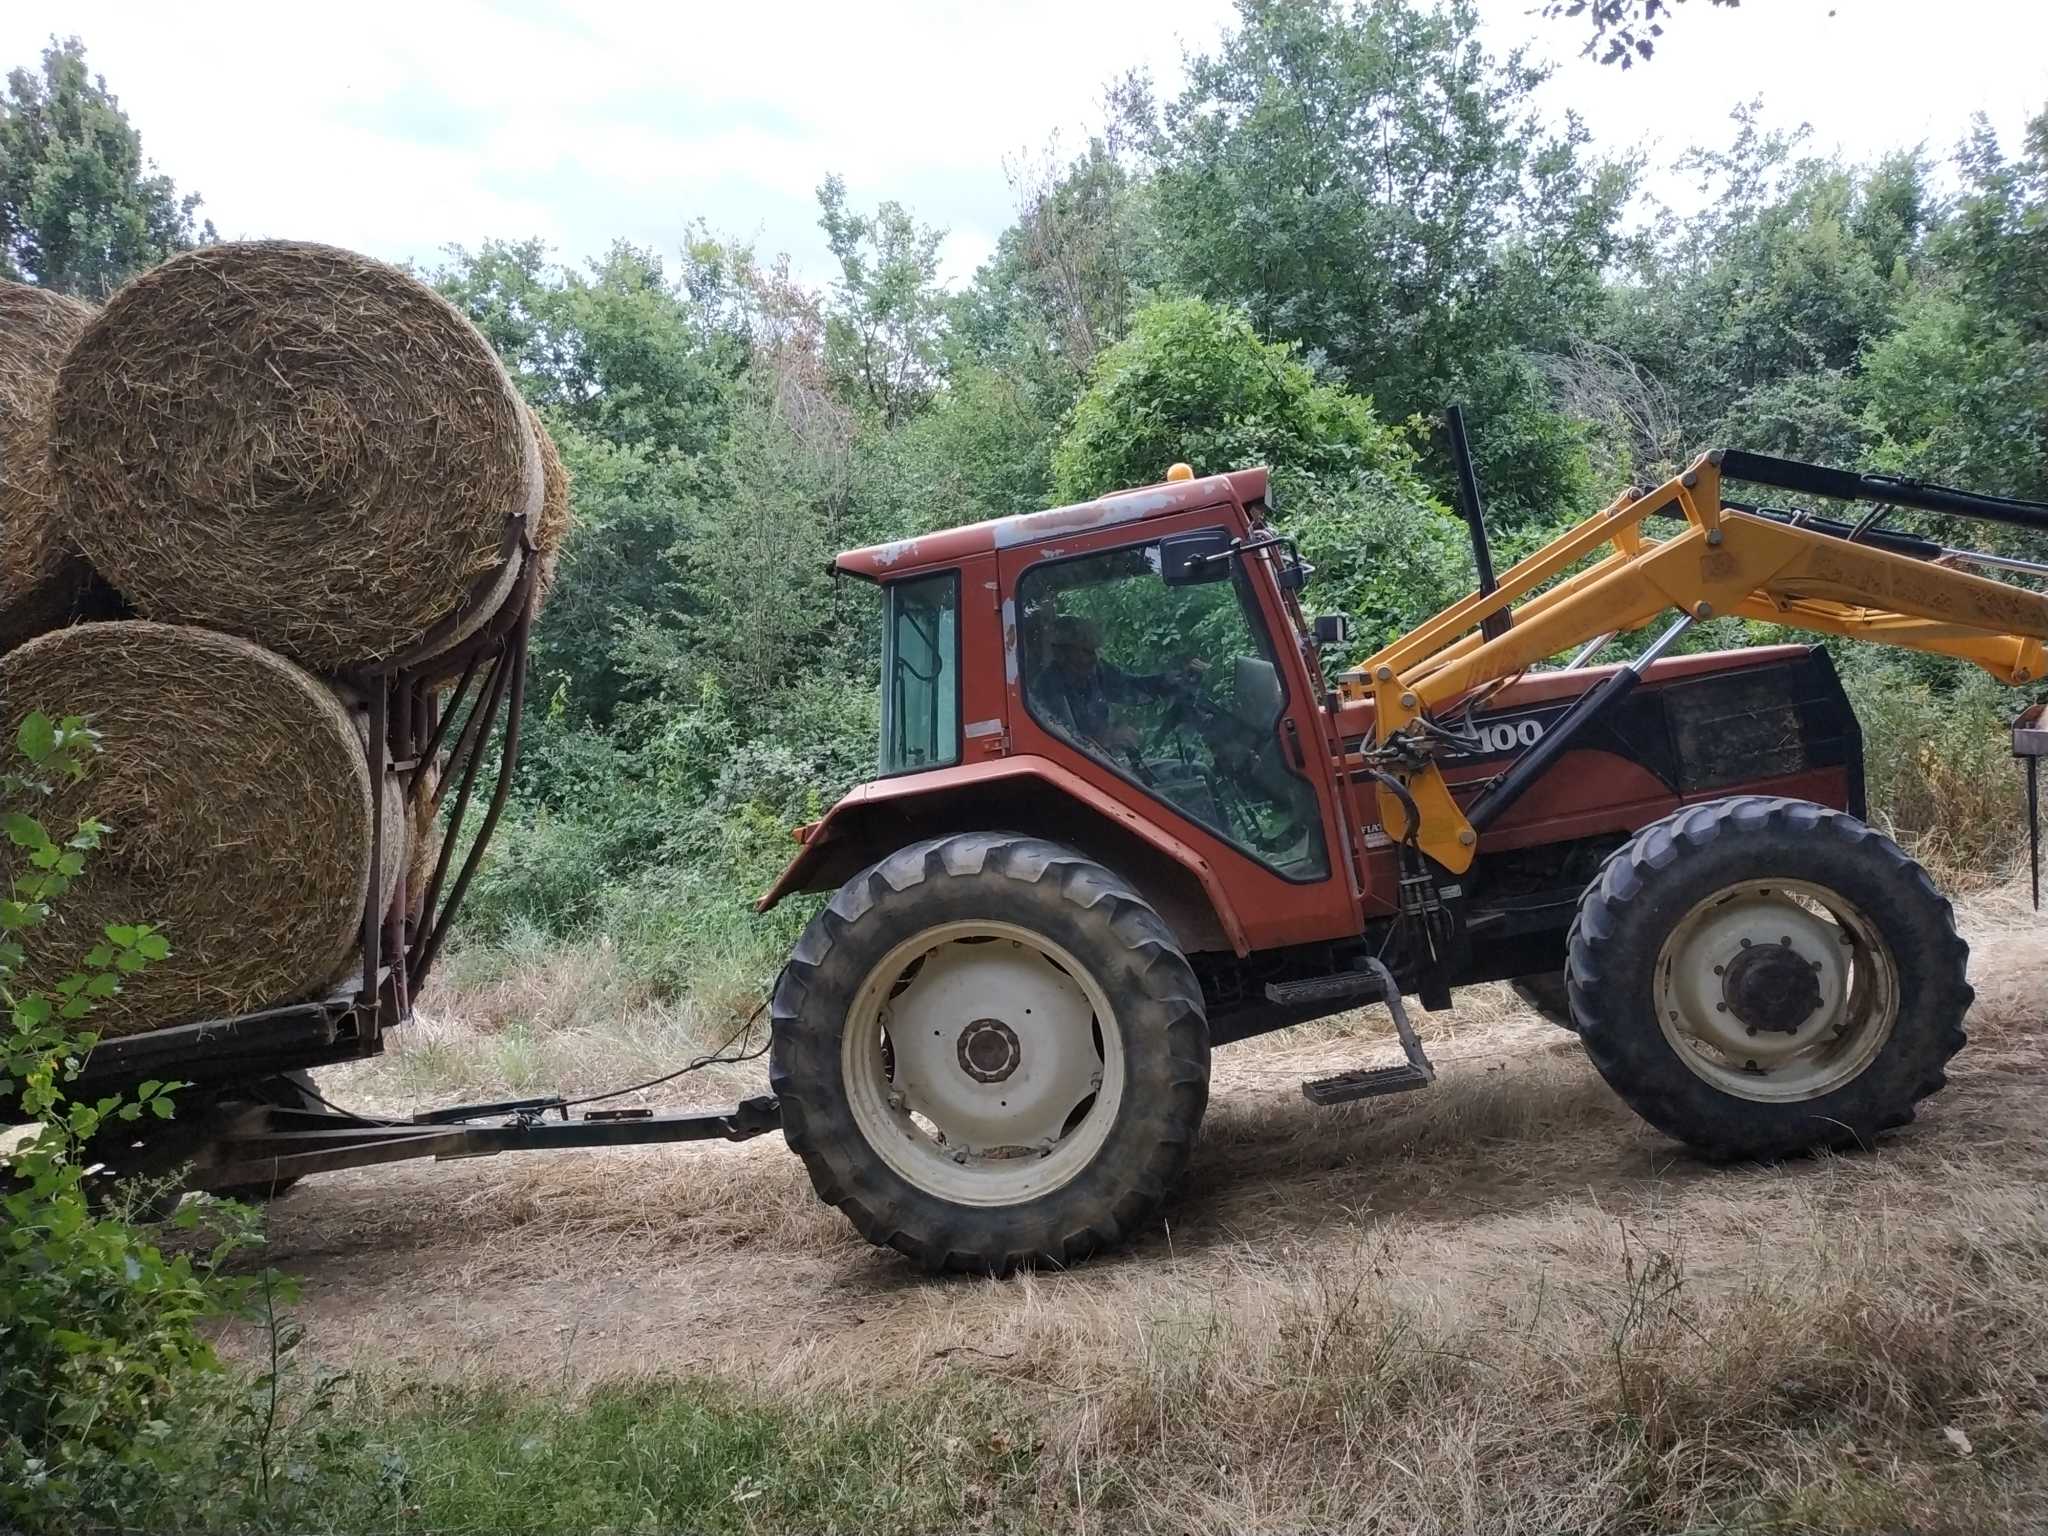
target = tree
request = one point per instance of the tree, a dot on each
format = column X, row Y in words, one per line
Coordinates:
column 635, row 384
column 81, row 210
column 887, row 313
column 1757, row 311
column 1623, row 30
column 1195, row 382
column 618, row 349
column 1371, row 184
column 1958, row 391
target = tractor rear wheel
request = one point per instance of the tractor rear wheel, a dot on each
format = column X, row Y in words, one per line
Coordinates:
column 1759, row 976
column 990, row 1052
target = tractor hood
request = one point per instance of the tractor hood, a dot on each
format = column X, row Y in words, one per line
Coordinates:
column 882, row 562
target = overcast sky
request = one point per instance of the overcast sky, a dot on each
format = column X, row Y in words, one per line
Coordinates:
column 401, row 128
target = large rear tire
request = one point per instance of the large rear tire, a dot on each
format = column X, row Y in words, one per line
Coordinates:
column 1760, row 976
column 990, row 1053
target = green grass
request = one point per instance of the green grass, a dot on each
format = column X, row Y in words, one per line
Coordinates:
column 692, row 1454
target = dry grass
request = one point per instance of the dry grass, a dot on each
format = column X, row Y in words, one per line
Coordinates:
column 1502, row 1305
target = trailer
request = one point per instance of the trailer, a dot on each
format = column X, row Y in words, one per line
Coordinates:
column 250, row 1123
column 1071, row 880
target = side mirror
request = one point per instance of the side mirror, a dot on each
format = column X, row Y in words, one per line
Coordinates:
column 1187, row 559
column 1332, row 629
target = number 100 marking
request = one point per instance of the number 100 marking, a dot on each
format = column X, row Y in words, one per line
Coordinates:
column 1506, row 735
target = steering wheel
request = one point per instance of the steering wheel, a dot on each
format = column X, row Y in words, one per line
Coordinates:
column 1185, row 701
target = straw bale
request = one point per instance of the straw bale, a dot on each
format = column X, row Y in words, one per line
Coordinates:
column 298, row 445
column 556, row 519
column 238, row 795
column 42, row 581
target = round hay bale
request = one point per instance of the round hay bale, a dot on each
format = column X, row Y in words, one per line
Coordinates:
column 239, row 801
column 42, row 580
column 424, row 835
column 555, row 520
column 298, row 445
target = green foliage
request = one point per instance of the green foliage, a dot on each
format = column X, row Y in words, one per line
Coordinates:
column 1770, row 295
column 885, row 323
column 1195, row 382
column 81, row 211
column 1623, row 30
column 617, row 353
column 1959, row 391
column 1937, row 761
column 1367, row 181
column 1080, row 259
column 690, row 1454
column 102, row 1335
column 634, row 386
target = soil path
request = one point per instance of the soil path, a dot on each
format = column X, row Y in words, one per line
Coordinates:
column 580, row 1266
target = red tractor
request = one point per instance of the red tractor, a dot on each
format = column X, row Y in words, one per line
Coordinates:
column 1125, row 815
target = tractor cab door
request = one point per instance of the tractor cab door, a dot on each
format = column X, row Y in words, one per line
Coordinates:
column 1178, row 700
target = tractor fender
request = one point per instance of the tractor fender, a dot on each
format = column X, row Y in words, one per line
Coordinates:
column 1026, row 793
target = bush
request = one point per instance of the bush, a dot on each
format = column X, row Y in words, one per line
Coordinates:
column 1938, row 763
column 103, row 1337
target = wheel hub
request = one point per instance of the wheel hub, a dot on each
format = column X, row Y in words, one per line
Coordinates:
column 989, row 1050
column 1775, row 991
column 1771, row 987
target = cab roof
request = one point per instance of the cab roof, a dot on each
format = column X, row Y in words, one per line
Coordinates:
column 949, row 546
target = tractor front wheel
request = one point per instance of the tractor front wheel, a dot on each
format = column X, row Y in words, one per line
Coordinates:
column 990, row 1052
column 1760, row 976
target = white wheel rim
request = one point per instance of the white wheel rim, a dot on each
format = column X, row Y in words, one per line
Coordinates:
column 982, row 1063
column 1776, row 990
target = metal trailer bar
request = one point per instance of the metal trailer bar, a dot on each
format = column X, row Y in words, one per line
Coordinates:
column 251, row 1045
column 266, row 1146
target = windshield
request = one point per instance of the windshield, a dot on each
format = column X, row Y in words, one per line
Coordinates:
column 921, row 674
column 1175, row 687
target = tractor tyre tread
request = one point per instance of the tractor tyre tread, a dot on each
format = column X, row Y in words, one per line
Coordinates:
column 1159, row 1003
column 1648, row 885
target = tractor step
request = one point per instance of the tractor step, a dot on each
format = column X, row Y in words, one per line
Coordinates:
column 1365, row 1083
column 1372, row 1082
column 1349, row 986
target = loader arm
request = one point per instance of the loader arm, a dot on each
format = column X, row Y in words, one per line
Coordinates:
column 1784, row 570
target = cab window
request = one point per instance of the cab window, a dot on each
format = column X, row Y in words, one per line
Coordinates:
column 921, row 674
column 1174, row 687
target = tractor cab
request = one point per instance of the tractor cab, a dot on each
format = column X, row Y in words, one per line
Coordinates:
column 1134, row 666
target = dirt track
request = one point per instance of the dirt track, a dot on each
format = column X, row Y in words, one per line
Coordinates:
column 579, row 1266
